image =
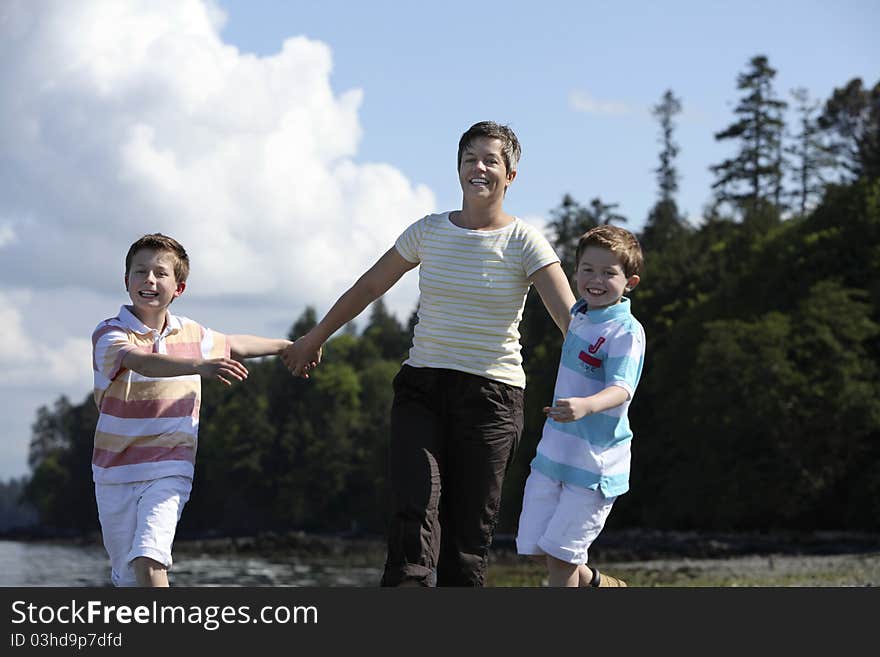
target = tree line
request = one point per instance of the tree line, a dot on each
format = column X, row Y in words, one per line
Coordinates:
column 759, row 405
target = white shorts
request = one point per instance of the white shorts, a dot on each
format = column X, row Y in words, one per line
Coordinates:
column 139, row 519
column 560, row 519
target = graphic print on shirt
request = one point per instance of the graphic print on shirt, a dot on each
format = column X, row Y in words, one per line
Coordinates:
column 588, row 358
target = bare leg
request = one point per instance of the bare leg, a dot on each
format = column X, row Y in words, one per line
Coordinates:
column 562, row 573
column 585, row 575
column 150, row 573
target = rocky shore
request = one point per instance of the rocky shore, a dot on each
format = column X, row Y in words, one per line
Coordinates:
column 617, row 546
column 612, row 546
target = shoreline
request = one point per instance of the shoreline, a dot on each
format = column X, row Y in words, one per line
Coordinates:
column 620, row 546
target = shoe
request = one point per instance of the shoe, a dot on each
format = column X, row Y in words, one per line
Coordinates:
column 601, row 580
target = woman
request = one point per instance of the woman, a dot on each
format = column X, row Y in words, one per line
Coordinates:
column 457, row 413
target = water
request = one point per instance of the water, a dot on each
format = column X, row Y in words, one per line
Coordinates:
column 45, row 564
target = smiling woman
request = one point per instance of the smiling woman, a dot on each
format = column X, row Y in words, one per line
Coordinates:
column 458, row 399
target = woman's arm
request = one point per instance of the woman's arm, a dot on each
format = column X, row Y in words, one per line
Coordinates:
column 555, row 291
column 378, row 279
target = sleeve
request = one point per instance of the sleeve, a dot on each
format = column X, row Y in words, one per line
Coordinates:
column 409, row 244
column 623, row 365
column 110, row 344
column 537, row 251
column 214, row 344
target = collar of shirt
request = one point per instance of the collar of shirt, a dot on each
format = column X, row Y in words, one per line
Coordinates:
column 600, row 315
column 132, row 323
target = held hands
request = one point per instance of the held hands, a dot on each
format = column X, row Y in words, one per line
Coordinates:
column 300, row 358
column 224, row 370
column 570, row 409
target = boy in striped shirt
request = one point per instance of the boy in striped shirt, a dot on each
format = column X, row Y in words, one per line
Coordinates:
column 148, row 366
column 583, row 457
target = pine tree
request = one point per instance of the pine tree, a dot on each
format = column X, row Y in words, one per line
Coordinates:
column 667, row 174
column 383, row 330
column 810, row 156
column 305, row 323
column 664, row 224
column 603, row 213
column 851, row 119
column 751, row 179
column 570, row 221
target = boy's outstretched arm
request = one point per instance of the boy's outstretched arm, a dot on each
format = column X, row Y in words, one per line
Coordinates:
column 305, row 353
column 574, row 408
column 253, row 346
column 225, row 370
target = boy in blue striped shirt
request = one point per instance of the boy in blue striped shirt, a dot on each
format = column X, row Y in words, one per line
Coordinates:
column 583, row 458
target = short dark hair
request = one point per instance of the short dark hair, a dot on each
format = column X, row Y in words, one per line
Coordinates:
column 160, row 242
column 619, row 241
column 510, row 148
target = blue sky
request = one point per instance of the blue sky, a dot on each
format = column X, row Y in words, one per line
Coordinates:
column 429, row 70
column 287, row 144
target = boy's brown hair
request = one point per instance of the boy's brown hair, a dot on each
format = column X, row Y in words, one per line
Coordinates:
column 510, row 148
column 160, row 242
column 619, row 241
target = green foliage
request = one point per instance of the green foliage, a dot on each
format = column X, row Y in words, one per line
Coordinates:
column 60, row 457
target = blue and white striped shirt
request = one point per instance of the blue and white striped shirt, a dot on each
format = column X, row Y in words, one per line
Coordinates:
column 604, row 347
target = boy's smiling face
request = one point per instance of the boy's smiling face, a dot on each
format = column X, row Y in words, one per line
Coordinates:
column 600, row 278
column 152, row 285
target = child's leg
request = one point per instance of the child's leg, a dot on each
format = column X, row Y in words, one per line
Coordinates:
column 159, row 507
column 117, row 513
column 562, row 573
column 585, row 575
column 540, row 498
column 577, row 521
column 150, row 573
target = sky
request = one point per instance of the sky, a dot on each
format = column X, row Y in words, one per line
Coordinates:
column 286, row 144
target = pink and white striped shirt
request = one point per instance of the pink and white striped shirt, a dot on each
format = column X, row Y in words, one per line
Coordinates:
column 148, row 426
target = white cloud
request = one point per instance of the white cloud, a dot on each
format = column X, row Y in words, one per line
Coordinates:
column 122, row 117
column 580, row 101
column 29, row 363
column 7, row 234
column 133, row 116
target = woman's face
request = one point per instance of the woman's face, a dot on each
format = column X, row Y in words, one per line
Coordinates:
column 482, row 173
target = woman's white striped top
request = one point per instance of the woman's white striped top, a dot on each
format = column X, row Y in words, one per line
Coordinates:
column 473, row 286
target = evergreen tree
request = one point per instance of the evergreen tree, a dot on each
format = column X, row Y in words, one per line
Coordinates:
column 809, row 154
column 664, row 225
column 667, row 174
column 569, row 221
column 851, row 119
column 305, row 323
column 751, row 180
column 603, row 213
column 383, row 330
